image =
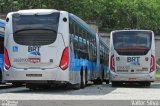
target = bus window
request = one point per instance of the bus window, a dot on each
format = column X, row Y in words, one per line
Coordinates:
column 132, row 43
column 35, row 28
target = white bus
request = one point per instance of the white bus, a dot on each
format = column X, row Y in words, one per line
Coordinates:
column 132, row 57
column 46, row 46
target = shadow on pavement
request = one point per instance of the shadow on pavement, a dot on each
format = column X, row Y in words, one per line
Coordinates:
column 154, row 85
column 90, row 89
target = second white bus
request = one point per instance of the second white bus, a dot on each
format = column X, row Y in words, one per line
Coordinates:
column 132, row 57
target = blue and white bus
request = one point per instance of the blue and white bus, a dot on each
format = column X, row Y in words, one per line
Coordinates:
column 132, row 57
column 46, row 46
column 2, row 27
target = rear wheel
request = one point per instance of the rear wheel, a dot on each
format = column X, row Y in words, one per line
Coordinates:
column 145, row 83
column 76, row 86
column 98, row 81
column 31, row 86
column 148, row 84
column 17, row 83
column 102, row 75
column 107, row 81
column 86, row 77
column 83, row 80
column 116, row 83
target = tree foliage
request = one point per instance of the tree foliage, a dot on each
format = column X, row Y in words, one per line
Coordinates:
column 108, row 14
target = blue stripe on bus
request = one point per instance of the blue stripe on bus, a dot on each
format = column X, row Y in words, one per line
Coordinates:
column 77, row 64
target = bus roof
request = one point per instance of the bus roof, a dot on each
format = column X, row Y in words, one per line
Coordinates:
column 131, row 30
column 36, row 11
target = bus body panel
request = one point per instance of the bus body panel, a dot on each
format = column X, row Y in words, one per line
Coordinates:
column 131, row 67
column 132, row 77
column 37, row 60
column 54, row 74
column 20, row 56
column 78, row 62
column 124, row 64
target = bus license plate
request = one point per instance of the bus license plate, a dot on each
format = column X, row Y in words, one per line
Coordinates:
column 132, row 79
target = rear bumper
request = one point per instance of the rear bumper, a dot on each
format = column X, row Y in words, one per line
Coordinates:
column 132, row 77
column 36, row 75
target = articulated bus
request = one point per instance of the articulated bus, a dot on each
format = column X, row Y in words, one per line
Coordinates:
column 132, row 57
column 2, row 27
column 46, row 46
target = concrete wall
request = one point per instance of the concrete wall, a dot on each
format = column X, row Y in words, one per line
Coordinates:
column 2, row 16
column 93, row 26
column 157, row 44
column 106, row 38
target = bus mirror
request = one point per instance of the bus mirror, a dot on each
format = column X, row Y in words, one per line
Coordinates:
column 65, row 19
column 7, row 19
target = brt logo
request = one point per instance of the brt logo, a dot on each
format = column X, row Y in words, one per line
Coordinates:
column 33, row 48
column 133, row 60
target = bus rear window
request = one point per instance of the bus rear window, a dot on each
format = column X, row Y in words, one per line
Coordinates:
column 132, row 42
column 35, row 29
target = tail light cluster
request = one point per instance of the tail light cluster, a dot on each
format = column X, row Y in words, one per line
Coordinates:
column 112, row 63
column 6, row 59
column 64, row 59
column 152, row 64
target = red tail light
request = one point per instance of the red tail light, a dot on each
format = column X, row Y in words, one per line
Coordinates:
column 112, row 63
column 152, row 64
column 64, row 59
column 6, row 59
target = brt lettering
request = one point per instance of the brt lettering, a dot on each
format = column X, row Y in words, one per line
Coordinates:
column 133, row 59
column 33, row 48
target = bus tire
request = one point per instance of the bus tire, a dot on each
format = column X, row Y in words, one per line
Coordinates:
column 76, row 86
column 102, row 75
column 82, row 79
column 17, row 83
column 86, row 77
column 148, row 84
column 114, row 84
column 97, row 81
column 107, row 81
column 31, row 86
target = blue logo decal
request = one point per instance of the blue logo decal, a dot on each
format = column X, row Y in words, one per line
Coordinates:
column 35, row 53
column 34, row 50
column 15, row 48
column 134, row 63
